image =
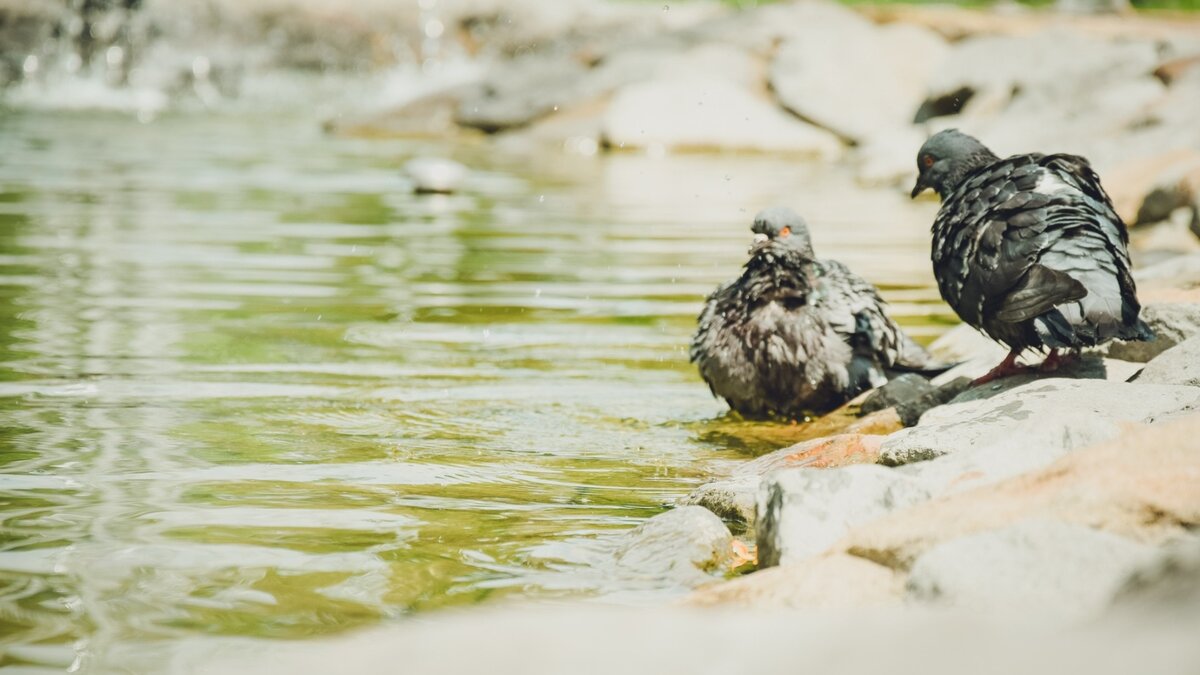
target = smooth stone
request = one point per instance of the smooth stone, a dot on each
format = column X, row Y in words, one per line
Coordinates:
column 802, row 512
column 817, row 453
column 430, row 175
column 855, row 79
column 911, row 395
column 708, row 114
column 825, row 582
column 732, row 499
column 685, row 545
column 1178, row 365
column 1170, row 579
column 1038, row 566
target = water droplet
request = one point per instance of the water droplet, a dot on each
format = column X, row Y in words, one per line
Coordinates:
column 541, row 198
column 666, row 8
column 30, row 65
column 434, row 29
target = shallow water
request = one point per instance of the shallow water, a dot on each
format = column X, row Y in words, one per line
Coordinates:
column 250, row 386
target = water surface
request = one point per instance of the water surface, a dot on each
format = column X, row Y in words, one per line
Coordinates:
column 250, row 386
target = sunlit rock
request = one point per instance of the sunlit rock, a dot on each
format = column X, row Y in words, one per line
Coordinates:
column 430, row 175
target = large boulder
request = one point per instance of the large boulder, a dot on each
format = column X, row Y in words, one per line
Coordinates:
column 1044, row 567
column 708, row 113
column 1140, row 485
column 804, row 511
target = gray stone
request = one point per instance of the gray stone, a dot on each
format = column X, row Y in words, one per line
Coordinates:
column 1181, row 271
column 1178, row 365
column 802, row 512
column 855, row 79
column 980, row 441
column 910, row 394
column 703, row 113
column 1036, row 566
column 519, row 92
column 684, row 545
column 731, row 499
column 1172, row 323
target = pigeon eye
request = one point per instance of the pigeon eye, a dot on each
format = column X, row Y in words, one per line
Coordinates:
column 785, row 232
column 927, row 161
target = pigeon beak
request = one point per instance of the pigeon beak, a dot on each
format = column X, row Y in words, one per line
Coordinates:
column 919, row 187
column 760, row 240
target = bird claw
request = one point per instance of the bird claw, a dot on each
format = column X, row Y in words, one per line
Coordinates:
column 1007, row 367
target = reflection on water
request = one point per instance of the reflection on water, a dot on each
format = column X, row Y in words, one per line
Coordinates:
column 250, row 386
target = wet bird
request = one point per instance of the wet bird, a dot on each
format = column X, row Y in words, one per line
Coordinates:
column 794, row 335
column 1028, row 249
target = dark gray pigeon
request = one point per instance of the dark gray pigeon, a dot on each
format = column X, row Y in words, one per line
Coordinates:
column 794, row 335
column 1028, row 249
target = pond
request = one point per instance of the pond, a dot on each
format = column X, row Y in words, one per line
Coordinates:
column 251, row 386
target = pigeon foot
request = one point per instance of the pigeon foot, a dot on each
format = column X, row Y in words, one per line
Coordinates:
column 1007, row 367
column 1054, row 360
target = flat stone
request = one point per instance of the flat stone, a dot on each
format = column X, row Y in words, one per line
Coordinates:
column 824, row 582
column 817, row 453
column 1036, row 422
column 802, row 512
column 1037, row 566
column 1140, row 485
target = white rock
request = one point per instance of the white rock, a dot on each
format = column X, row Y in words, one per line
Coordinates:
column 802, row 512
column 1024, row 428
column 1172, row 323
column 1178, row 365
column 435, row 175
column 857, row 80
column 708, row 114
column 1041, row 567
column 683, row 545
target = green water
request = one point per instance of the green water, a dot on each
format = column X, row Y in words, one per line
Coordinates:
column 250, row 386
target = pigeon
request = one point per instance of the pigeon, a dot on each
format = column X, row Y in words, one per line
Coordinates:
column 1028, row 249
column 793, row 335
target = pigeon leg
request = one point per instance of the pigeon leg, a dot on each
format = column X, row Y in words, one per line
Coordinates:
column 1007, row 367
column 1054, row 361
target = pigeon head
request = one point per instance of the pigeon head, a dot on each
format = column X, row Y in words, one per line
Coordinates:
column 781, row 230
column 946, row 159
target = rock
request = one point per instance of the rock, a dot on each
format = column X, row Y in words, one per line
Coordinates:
column 1130, row 183
column 1036, row 566
column 519, row 92
column 1178, row 272
column 833, row 581
column 910, row 395
column 1140, row 485
column 1178, row 365
column 817, row 453
column 1034, row 423
column 878, row 422
column 1172, row 323
column 685, row 545
column 855, row 79
column 803, row 511
column 708, row 114
column 431, row 175
column 732, row 499
column 1170, row 579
